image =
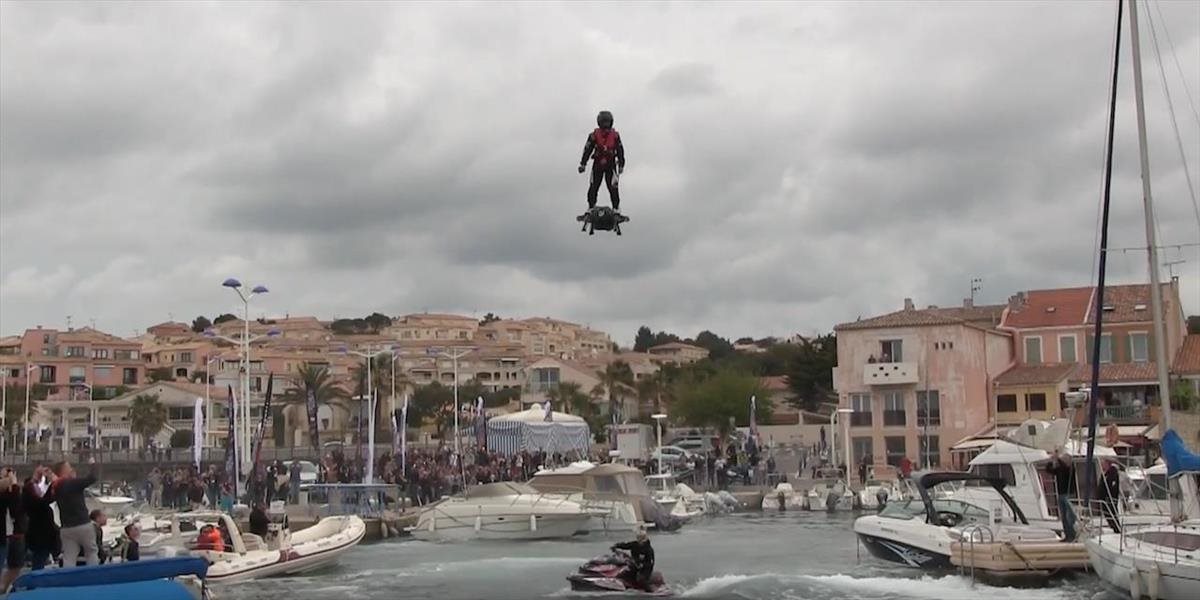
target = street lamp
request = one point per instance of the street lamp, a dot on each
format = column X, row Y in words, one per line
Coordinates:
column 370, row 355
column 454, row 354
column 658, row 419
column 236, row 286
column 242, row 426
column 29, row 368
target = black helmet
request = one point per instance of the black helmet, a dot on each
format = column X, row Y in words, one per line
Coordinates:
column 604, row 119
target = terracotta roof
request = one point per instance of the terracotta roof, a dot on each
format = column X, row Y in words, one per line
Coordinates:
column 1050, row 308
column 987, row 316
column 87, row 334
column 1125, row 300
column 1117, row 373
column 1187, row 361
column 675, row 345
column 1035, row 374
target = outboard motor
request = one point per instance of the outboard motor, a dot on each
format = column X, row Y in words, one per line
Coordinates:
column 881, row 497
column 782, row 500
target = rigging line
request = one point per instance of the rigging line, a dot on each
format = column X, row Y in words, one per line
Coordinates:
column 1187, row 172
column 1167, row 33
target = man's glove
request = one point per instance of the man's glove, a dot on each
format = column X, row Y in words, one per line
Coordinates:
column 582, row 168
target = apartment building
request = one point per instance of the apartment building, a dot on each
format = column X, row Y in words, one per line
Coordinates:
column 918, row 380
column 678, row 353
column 80, row 362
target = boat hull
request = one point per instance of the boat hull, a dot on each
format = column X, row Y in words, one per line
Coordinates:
column 1122, row 571
column 301, row 558
column 499, row 527
column 903, row 553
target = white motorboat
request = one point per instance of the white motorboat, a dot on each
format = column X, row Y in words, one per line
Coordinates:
column 614, row 495
column 784, row 497
column 662, row 489
column 1160, row 561
column 246, row 556
column 501, row 511
column 918, row 532
column 830, row 496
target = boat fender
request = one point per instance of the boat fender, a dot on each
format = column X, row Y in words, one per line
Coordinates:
column 1135, row 584
column 1152, row 582
column 433, row 524
column 533, row 522
column 478, row 523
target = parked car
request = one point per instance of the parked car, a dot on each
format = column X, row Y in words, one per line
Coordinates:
column 694, row 445
column 672, row 455
column 308, row 471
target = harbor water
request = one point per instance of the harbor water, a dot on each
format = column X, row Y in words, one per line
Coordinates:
column 754, row 556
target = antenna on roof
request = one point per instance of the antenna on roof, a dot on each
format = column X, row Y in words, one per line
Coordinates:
column 1170, row 265
column 68, row 322
column 976, row 285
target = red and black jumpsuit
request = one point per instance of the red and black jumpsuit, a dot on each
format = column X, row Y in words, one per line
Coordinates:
column 604, row 147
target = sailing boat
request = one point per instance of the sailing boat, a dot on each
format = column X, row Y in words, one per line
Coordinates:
column 1160, row 561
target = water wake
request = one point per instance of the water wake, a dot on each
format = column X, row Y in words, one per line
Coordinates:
column 793, row 586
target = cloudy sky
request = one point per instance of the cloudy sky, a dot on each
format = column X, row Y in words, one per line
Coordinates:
column 791, row 165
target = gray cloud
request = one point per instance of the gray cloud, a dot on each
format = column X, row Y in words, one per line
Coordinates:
column 791, row 166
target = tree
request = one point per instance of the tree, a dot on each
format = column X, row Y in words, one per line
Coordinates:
column 223, row 318
column 378, row 321
column 488, row 319
column 810, row 375
column 717, row 346
column 433, row 401
column 182, row 438
column 643, row 340
column 616, row 381
column 712, row 401
column 1183, row 395
column 160, row 374
column 501, row 397
column 200, row 323
column 315, row 379
column 147, row 416
column 14, row 413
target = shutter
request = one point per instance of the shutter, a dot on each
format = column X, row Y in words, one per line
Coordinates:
column 1150, row 354
column 1128, row 347
column 1091, row 349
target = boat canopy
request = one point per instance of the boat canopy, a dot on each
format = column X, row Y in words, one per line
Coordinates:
column 502, row 488
column 157, row 589
column 127, row 572
column 1004, row 452
column 1178, row 458
column 608, row 478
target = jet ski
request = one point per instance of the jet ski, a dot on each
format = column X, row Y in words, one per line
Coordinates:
column 615, row 573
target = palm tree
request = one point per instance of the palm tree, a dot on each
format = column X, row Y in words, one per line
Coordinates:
column 315, row 379
column 147, row 416
column 616, row 380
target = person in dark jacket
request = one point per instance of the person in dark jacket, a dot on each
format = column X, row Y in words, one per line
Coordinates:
column 607, row 152
column 643, row 558
column 132, row 549
column 41, row 536
column 11, row 509
column 77, row 533
column 259, row 522
column 1064, row 479
column 1108, row 492
column 99, row 520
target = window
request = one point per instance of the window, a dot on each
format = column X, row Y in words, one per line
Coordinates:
column 891, row 351
column 1139, row 347
column 861, row 447
column 1105, row 348
column 185, row 357
column 75, row 351
column 124, row 354
column 129, row 376
column 181, row 413
column 14, row 373
column 48, row 374
column 181, row 372
column 100, row 353
column 931, row 451
column 1006, row 403
column 256, row 384
column 895, row 449
column 102, row 372
column 1033, row 350
column 1066, row 349
column 861, row 404
column 1002, row 471
column 77, row 374
column 929, row 409
column 893, row 408
column 1035, row 402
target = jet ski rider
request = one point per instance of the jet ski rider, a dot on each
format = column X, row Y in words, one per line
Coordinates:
column 643, row 558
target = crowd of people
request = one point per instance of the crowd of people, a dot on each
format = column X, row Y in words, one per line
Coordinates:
column 29, row 533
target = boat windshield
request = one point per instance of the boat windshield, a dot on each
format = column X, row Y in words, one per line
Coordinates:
column 914, row 508
column 1153, row 487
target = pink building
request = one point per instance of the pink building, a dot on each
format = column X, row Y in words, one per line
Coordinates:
column 74, row 363
column 917, row 381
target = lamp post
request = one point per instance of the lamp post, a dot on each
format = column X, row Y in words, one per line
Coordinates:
column 241, row 427
column 25, row 424
column 208, row 407
column 370, row 354
column 236, row 286
column 658, row 419
column 454, row 354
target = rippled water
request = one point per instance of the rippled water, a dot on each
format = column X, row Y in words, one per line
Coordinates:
column 753, row 556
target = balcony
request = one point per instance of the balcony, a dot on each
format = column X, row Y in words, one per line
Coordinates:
column 890, row 373
column 1126, row 414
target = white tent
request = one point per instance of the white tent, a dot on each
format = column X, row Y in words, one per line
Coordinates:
column 530, row 430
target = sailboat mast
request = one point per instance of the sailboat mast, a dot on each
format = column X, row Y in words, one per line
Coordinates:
column 1160, row 334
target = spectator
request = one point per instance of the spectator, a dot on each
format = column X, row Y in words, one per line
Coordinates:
column 132, row 549
column 1064, row 478
column 77, row 533
column 1108, row 492
column 99, row 520
column 12, row 510
column 259, row 522
column 41, row 538
column 294, row 483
